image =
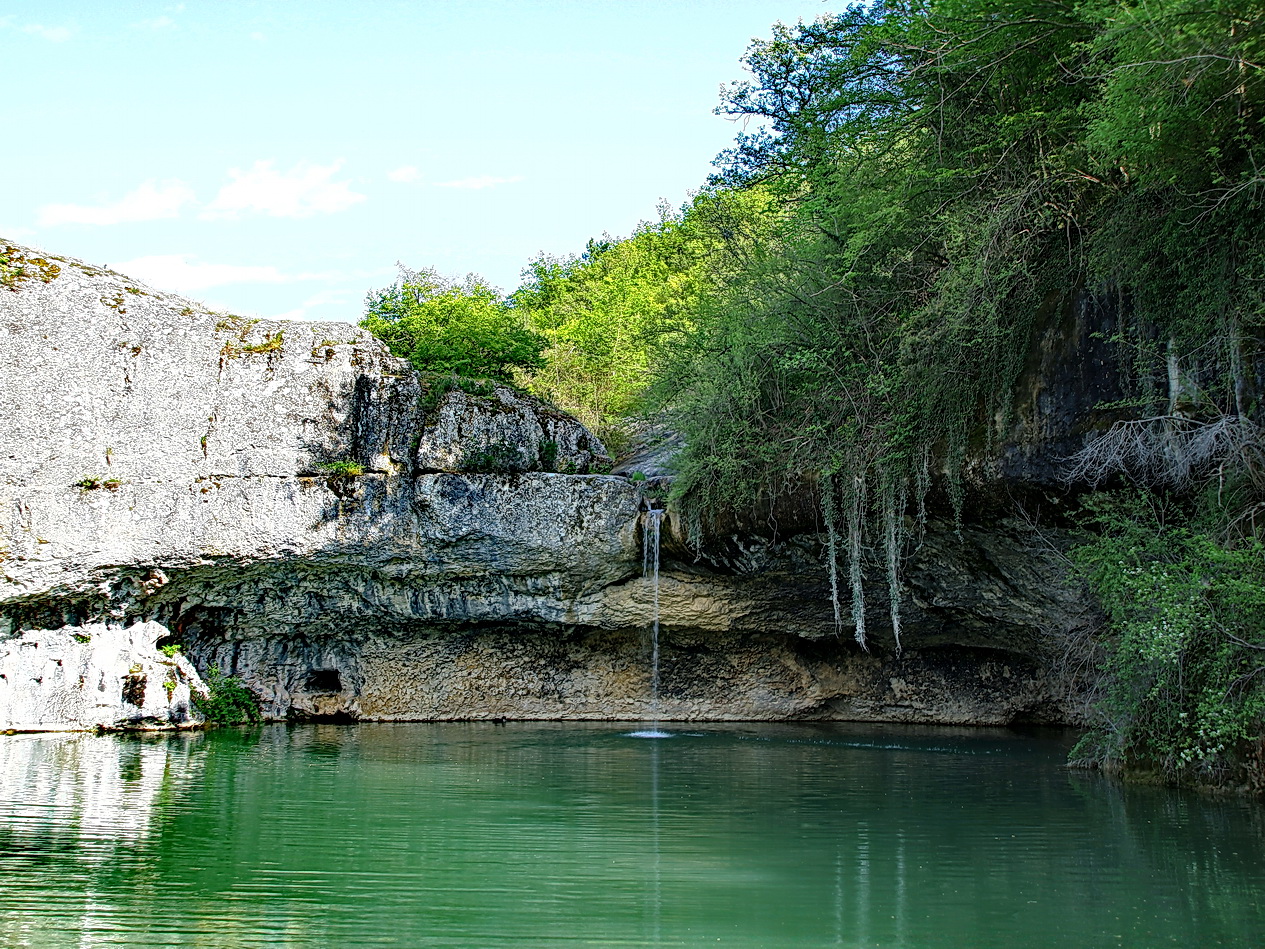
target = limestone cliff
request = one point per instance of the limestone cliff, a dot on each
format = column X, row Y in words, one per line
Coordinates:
column 170, row 475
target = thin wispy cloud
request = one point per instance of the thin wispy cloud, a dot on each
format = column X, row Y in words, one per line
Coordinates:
column 404, row 174
column 303, row 191
column 152, row 201
column 343, row 298
column 54, row 34
column 157, row 24
column 16, row 233
column 183, row 273
column 478, row 183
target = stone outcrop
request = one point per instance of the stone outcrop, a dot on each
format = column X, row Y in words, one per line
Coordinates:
column 173, row 475
column 96, row 675
column 503, row 431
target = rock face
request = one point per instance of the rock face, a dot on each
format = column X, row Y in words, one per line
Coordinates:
column 171, row 475
column 504, row 431
column 95, row 676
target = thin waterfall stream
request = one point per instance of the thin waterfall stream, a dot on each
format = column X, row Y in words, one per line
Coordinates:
column 652, row 525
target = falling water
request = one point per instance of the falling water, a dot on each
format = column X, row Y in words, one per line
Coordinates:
column 651, row 526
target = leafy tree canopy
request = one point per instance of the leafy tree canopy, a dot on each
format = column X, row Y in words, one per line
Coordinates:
column 847, row 306
column 444, row 326
column 610, row 312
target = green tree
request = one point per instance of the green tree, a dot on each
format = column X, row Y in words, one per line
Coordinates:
column 610, row 313
column 443, row 326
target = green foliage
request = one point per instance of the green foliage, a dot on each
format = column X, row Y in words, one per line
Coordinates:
column 918, row 146
column 548, row 455
column 610, row 312
column 1184, row 641
column 228, row 702
column 1174, row 144
column 950, row 171
column 343, row 469
column 170, row 650
column 446, row 327
column 435, row 386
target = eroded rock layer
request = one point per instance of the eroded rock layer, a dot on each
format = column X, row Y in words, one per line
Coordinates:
column 294, row 506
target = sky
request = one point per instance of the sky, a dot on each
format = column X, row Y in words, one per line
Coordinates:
column 276, row 158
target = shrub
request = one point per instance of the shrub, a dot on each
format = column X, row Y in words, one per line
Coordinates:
column 1183, row 690
column 437, row 385
column 228, row 702
column 443, row 326
column 493, row 458
column 548, row 455
column 96, row 482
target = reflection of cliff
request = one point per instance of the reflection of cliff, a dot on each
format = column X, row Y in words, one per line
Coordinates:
column 75, row 811
column 474, row 570
column 100, row 795
column 756, row 835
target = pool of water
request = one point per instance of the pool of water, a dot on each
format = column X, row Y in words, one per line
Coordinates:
column 583, row 835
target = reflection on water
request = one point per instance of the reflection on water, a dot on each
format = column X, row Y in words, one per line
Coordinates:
column 551, row 834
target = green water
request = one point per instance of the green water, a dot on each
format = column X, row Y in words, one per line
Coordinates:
column 578, row 835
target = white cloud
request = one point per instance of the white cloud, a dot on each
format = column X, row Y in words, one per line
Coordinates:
column 475, row 184
column 404, row 174
column 54, row 34
column 157, row 24
column 341, row 298
column 303, row 191
column 180, row 273
column 16, row 233
column 151, row 201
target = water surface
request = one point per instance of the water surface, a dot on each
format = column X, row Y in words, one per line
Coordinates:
column 581, row 835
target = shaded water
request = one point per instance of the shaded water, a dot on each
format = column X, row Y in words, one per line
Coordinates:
column 577, row 835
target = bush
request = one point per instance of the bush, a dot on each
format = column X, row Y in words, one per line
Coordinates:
column 96, row 483
column 448, row 327
column 228, row 702
column 493, row 458
column 435, row 386
column 1183, row 692
column 548, row 455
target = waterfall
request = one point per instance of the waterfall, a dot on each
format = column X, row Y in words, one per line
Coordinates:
column 651, row 527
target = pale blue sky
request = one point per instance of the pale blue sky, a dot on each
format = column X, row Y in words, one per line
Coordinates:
column 276, row 157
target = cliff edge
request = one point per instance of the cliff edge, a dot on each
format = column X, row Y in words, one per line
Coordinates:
column 291, row 504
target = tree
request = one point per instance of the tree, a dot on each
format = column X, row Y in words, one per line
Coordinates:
column 610, row 312
column 443, row 326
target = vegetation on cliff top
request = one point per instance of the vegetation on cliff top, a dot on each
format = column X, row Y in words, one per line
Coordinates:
column 849, row 301
column 448, row 327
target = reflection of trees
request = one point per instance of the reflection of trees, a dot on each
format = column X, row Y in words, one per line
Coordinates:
column 475, row 835
column 1201, row 854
